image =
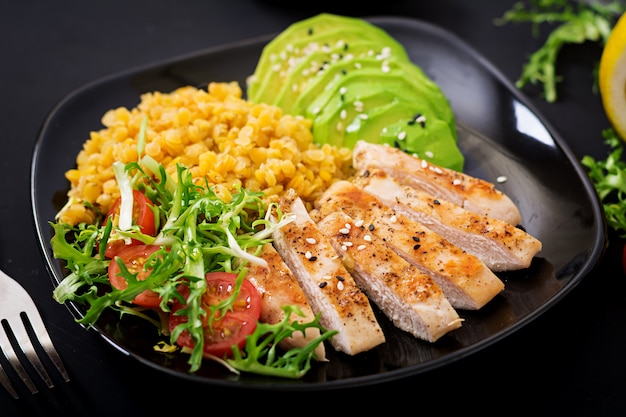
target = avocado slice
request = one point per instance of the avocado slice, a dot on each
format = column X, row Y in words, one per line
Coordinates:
column 303, row 37
column 331, row 124
column 312, row 101
column 400, row 124
column 332, row 61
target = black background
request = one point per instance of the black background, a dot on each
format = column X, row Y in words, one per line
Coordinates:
column 570, row 361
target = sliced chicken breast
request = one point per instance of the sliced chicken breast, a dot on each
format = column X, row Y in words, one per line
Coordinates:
column 278, row 287
column 500, row 245
column 410, row 298
column 329, row 287
column 471, row 193
column 465, row 280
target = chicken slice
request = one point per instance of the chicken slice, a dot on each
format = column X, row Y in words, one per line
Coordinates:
column 410, row 298
column 471, row 193
column 278, row 288
column 465, row 280
column 500, row 245
column 329, row 288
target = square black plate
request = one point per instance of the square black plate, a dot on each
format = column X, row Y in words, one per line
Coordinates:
column 557, row 201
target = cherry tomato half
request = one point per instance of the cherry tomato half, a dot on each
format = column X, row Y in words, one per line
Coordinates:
column 134, row 257
column 143, row 216
column 234, row 326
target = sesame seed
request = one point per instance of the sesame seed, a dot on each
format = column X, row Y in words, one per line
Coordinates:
column 393, row 219
column 402, row 135
column 360, row 247
column 502, row 179
column 313, row 258
column 348, row 244
column 323, row 284
column 437, row 202
column 416, row 247
column 456, row 181
column 308, row 255
column 343, row 90
column 340, row 285
column 343, row 114
column 311, row 240
column 358, row 223
column 367, row 238
column 339, row 277
column 415, row 238
column 344, row 248
column 347, row 226
column 370, row 227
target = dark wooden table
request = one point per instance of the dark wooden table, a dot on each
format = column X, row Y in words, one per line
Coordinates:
column 570, row 361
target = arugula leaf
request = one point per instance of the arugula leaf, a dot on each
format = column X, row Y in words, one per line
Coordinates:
column 609, row 179
column 261, row 354
column 577, row 23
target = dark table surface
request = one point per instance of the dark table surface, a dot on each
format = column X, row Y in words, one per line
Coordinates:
column 569, row 361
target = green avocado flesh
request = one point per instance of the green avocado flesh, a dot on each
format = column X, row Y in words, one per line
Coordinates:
column 355, row 82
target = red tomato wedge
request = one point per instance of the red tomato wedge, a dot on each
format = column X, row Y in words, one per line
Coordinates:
column 134, row 257
column 234, row 326
column 143, row 216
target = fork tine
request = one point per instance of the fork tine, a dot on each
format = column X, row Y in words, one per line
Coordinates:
column 46, row 343
column 23, row 340
column 6, row 383
column 9, row 353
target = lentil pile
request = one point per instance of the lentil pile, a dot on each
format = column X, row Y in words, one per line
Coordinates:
column 215, row 133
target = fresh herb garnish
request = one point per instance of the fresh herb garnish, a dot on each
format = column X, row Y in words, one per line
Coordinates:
column 576, row 23
column 609, row 179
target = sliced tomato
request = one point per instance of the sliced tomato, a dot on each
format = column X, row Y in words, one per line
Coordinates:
column 134, row 257
column 143, row 216
column 234, row 326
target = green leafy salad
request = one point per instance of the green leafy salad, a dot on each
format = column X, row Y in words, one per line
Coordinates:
column 173, row 275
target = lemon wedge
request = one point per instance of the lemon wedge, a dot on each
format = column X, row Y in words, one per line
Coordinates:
column 612, row 77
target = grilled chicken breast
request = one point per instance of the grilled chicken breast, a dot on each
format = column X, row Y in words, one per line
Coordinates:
column 465, row 280
column 471, row 193
column 329, row 287
column 500, row 245
column 278, row 288
column 410, row 298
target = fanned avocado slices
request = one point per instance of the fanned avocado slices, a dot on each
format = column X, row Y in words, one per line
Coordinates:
column 356, row 82
column 302, row 38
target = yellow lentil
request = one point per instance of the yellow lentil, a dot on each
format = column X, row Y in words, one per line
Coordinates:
column 214, row 132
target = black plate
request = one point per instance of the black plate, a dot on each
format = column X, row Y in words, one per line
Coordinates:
column 556, row 199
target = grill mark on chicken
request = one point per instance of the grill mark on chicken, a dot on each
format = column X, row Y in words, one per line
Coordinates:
column 278, row 287
column 500, row 245
column 328, row 286
column 407, row 296
column 465, row 280
column 471, row 193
